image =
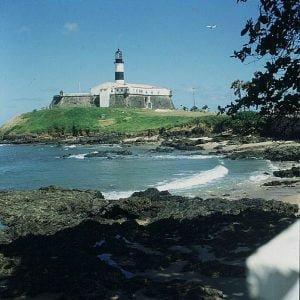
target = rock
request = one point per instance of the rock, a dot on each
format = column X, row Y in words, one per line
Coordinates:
column 151, row 193
column 293, row 172
column 247, row 154
column 163, row 149
column 283, row 153
column 108, row 153
column 276, row 153
column 183, row 144
column 283, row 182
column 56, row 237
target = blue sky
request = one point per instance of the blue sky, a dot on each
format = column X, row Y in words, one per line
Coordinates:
column 49, row 45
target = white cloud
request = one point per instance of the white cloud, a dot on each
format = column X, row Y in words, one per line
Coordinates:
column 70, row 27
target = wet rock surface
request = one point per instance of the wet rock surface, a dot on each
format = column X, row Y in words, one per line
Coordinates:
column 283, row 153
column 281, row 182
column 108, row 153
column 70, row 244
column 289, row 173
column 183, row 144
column 275, row 153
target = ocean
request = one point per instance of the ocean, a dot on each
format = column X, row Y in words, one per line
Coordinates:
column 25, row 167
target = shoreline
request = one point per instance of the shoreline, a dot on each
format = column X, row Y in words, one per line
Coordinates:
column 67, row 243
column 235, row 150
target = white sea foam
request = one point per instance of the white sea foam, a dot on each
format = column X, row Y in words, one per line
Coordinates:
column 258, row 177
column 70, row 147
column 78, row 156
column 114, row 195
column 195, row 180
column 81, row 156
column 272, row 167
column 197, row 156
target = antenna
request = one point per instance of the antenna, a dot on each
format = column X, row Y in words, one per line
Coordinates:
column 193, row 92
column 119, row 38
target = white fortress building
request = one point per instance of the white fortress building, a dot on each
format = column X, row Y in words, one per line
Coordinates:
column 118, row 94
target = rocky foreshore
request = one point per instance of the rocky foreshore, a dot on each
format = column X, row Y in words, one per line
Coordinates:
column 59, row 243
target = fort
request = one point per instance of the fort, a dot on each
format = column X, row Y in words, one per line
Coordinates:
column 118, row 94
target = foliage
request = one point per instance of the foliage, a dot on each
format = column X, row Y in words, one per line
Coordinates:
column 242, row 123
column 205, row 108
column 275, row 37
column 194, row 108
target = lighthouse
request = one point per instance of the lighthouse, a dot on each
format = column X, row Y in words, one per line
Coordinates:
column 119, row 67
column 118, row 94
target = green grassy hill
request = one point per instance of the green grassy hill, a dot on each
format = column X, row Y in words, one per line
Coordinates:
column 61, row 122
column 81, row 121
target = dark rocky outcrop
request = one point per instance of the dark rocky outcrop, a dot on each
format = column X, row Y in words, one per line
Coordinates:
column 112, row 138
column 283, row 153
column 247, row 154
column 108, row 153
column 183, row 144
column 283, row 182
column 70, row 244
column 289, row 173
column 161, row 149
column 278, row 152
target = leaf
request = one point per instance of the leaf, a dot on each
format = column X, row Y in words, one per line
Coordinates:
column 257, row 27
column 276, row 12
column 263, row 19
column 245, row 30
column 247, row 50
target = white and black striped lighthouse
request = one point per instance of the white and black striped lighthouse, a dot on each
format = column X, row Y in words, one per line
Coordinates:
column 119, row 67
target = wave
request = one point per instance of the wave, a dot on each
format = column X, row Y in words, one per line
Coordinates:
column 78, row 156
column 271, row 166
column 258, row 177
column 81, row 156
column 195, row 180
column 70, row 147
column 197, row 156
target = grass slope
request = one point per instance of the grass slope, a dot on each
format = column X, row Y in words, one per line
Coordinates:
column 76, row 121
column 94, row 121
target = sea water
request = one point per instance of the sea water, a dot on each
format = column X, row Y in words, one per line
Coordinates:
column 24, row 167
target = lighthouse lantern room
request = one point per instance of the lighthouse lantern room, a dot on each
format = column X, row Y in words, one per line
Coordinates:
column 119, row 67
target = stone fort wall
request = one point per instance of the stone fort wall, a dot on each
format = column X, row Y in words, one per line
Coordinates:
column 141, row 101
column 75, row 101
column 115, row 101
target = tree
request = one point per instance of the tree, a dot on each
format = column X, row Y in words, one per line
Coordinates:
column 275, row 37
column 205, row 108
column 194, row 108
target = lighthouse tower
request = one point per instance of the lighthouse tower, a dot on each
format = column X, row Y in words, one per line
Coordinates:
column 119, row 67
